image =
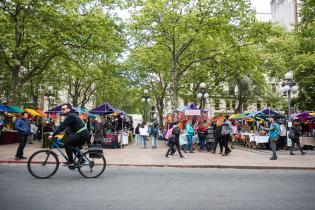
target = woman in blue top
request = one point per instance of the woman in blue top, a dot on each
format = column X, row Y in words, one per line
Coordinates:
column 189, row 134
column 273, row 137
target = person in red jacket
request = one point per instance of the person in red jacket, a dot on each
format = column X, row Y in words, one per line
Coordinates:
column 202, row 134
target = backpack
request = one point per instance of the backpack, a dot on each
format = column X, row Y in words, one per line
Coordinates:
column 169, row 133
column 225, row 130
column 154, row 131
column 278, row 129
column 291, row 134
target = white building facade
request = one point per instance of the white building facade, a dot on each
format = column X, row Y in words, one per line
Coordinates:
column 285, row 12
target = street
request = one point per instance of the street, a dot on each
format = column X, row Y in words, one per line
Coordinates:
column 158, row 188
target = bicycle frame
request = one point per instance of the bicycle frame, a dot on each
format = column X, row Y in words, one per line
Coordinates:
column 58, row 142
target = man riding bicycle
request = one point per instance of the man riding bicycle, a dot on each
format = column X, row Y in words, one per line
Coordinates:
column 79, row 133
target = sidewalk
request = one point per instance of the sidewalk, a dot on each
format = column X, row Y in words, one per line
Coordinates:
column 134, row 156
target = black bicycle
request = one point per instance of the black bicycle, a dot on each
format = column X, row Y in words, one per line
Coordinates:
column 45, row 163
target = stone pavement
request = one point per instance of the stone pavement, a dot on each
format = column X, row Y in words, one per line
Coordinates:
column 132, row 155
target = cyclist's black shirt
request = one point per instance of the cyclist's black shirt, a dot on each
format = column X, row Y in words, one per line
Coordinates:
column 74, row 123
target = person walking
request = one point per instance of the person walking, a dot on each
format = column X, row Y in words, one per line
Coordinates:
column 274, row 130
column 218, row 139
column 283, row 136
column 155, row 134
column 202, row 134
column 189, row 135
column 226, row 133
column 294, row 135
column 32, row 136
column 98, row 131
column 144, row 133
column 210, row 138
column 22, row 125
column 137, row 134
column 174, row 141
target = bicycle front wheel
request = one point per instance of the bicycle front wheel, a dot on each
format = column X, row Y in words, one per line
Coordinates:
column 43, row 164
column 91, row 164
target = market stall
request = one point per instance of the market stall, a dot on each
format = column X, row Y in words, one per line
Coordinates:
column 8, row 114
column 253, row 135
column 114, row 136
column 307, row 123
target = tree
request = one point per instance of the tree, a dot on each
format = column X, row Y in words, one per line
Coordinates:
column 149, row 69
column 304, row 58
column 192, row 32
column 33, row 34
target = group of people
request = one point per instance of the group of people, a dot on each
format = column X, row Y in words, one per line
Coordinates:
column 209, row 137
column 275, row 131
column 143, row 131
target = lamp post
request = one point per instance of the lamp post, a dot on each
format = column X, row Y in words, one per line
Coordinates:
column 49, row 96
column 202, row 95
column 290, row 86
column 146, row 100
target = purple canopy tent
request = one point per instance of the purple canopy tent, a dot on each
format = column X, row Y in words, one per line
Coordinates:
column 105, row 109
column 268, row 111
column 303, row 116
column 191, row 106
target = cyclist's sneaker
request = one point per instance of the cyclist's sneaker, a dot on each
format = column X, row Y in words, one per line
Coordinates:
column 68, row 163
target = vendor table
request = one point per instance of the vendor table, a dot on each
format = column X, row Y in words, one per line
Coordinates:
column 306, row 140
column 9, row 137
column 254, row 140
column 111, row 140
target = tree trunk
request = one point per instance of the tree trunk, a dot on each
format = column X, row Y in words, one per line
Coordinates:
column 174, row 98
column 160, row 108
column 14, row 84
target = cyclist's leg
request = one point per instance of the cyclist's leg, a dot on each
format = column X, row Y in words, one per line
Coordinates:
column 73, row 141
column 81, row 140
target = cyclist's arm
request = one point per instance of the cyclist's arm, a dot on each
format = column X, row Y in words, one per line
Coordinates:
column 63, row 125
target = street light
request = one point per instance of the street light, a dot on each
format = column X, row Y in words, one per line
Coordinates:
column 2, row 101
column 290, row 86
column 146, row 100
column 202, row 95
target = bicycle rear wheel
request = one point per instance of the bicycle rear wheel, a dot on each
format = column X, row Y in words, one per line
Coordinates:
column 43, row 164
column 91, row 164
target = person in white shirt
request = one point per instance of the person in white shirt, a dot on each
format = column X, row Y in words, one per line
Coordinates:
column 144, row 133
column 33, row 132
column 283, row 136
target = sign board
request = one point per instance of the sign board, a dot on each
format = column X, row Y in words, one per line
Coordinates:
column 192, row 112
column 289, row 124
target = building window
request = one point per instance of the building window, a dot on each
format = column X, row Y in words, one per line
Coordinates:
column 217, row 104
column 258, row 105
column 231, row 90
column 233, row 104
column 228, row 105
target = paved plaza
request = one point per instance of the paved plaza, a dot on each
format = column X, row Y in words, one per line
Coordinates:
column 132, row 155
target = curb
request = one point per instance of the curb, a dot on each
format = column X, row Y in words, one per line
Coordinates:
column 188, row 166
